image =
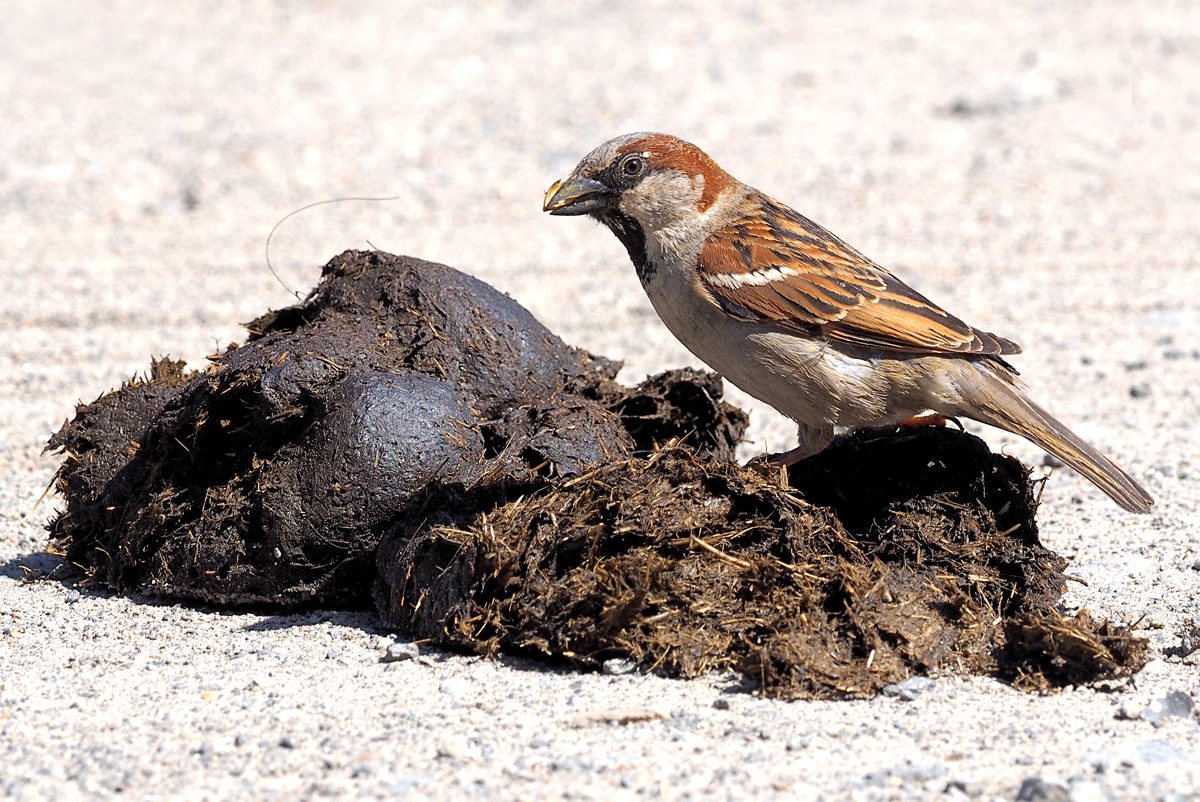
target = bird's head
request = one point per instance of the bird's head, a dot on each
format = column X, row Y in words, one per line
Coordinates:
column 657, row 180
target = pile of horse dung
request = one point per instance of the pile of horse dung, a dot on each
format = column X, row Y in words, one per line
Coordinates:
column 410, row 438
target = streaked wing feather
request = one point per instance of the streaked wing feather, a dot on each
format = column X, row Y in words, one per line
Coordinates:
column 789, row 272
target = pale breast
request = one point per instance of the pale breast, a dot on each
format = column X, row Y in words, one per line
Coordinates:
column 805, row 379
column 813, row 381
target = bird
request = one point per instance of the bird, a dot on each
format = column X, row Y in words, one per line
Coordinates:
column 799, row 319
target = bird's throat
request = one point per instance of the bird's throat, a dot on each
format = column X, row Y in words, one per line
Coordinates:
column 629, row 231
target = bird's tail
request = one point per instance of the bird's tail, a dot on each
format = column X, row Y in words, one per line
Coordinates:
column 997, row 401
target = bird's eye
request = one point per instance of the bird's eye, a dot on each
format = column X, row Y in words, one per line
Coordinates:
column 633, row 165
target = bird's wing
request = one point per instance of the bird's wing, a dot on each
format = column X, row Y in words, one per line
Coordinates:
column 774, row 266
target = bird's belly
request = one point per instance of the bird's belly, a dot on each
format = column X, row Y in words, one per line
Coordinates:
column 808, row 379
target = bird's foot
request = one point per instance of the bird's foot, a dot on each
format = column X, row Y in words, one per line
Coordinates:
column 908, row 425
column 787, row 457
column 928, row 419
column 775, row 466
column 772, row 467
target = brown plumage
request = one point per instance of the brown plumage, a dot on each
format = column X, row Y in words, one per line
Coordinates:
column 826, row 286
column 796, row 317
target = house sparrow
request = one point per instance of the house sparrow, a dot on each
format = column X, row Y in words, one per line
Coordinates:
column 796, row 317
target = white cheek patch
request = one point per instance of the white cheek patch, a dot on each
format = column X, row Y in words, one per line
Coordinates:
column 661, row 198
column 754, row 278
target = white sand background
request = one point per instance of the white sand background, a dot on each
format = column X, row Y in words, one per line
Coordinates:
column 1033, row 167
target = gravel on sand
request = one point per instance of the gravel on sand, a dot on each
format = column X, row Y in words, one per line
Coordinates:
column 1031, row 167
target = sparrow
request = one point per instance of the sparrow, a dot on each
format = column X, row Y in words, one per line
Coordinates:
column 797, row 318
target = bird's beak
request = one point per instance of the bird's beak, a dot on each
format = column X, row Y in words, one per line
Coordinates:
column 578, row 195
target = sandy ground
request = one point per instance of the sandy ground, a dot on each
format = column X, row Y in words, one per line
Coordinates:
column 1033, row 167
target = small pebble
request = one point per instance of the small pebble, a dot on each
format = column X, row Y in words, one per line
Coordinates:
column 910, row 689
column 618, row 665
column 960, row 787
column 1037, row 789
column 721, row 704
column 401, row 651
column 1085, row 789
column 73, row 596
column 1139, row 390
column 1176, row 704
column 684, row 721
column 1189, row 639
column 452, row 752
